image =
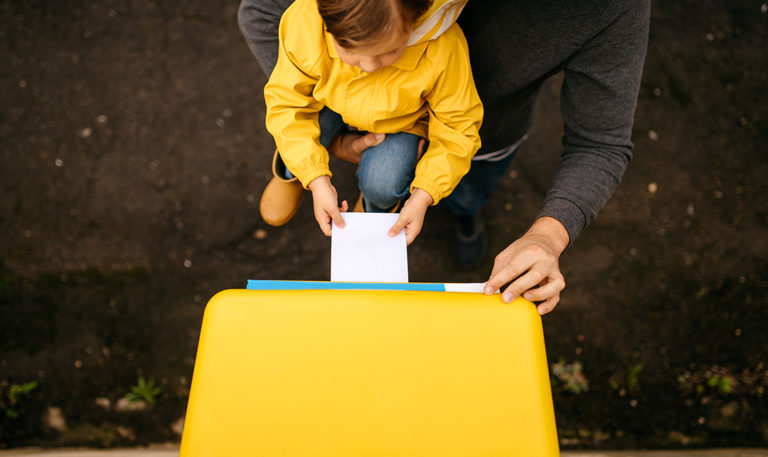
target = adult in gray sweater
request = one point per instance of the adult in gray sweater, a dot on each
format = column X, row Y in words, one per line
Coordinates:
column 514, row 46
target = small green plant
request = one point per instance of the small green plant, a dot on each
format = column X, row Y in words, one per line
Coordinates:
column 16, row 392
column 569, row 376
column 627, row 382
column 710, row 381
column 722, row 383
column 144, row 390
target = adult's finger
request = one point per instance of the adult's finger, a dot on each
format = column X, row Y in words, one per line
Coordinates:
column 506, row 267
column 549, row 288
column 350, row 146
column 530, row 279
column 548, row 305
column 422, row 143
column 366, row 141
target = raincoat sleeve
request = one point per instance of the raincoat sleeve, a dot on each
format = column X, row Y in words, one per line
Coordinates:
column 455, row 115
column 291, row 109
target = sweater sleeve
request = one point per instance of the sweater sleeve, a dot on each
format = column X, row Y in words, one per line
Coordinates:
column 291, row 108
column 598, row 100
column 259, row 21
column 455, row 115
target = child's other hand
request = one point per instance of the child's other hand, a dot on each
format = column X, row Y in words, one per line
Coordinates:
column 412, row 215
column 325, row 201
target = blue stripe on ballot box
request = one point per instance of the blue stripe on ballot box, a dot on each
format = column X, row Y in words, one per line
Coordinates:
column 256, row 284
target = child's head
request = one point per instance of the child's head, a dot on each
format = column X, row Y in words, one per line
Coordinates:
column 371, row 33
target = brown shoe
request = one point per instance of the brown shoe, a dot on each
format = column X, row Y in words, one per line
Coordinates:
column 281, row 197
column 359, row 205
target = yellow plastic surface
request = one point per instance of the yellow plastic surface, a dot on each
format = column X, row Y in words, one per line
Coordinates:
column 339, row 373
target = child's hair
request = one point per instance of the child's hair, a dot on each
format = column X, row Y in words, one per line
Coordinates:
column 356, row 23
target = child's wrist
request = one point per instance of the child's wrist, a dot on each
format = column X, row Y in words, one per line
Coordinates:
column 321, row 182
column 421, row 196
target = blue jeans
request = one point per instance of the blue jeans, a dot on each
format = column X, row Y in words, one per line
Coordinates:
column 476, row 186
column 386, row 170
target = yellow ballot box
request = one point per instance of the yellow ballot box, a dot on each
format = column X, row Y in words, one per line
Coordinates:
column 337, row 373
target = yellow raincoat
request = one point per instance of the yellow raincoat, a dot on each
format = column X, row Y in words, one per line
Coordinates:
column 429, row 92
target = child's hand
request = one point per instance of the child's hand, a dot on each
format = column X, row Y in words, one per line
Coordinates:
column 412, row 215
column 325, row 199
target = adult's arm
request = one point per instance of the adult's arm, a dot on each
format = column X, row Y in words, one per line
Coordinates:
column 598, row 100
column 259, row 21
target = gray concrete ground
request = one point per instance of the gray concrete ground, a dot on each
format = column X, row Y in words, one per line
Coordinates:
column 172, row 451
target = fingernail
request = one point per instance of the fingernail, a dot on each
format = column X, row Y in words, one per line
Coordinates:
column 487, row 291
column 379, row 136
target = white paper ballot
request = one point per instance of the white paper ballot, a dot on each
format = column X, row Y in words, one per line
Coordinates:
column 362, row 251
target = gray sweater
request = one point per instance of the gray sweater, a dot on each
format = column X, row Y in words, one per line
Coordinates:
column 514, row 47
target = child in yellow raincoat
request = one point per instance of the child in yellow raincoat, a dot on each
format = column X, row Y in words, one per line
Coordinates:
column 379, row 66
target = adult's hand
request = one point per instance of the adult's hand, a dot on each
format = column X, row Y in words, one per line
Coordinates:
column 349, row 146
column 532, row 265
